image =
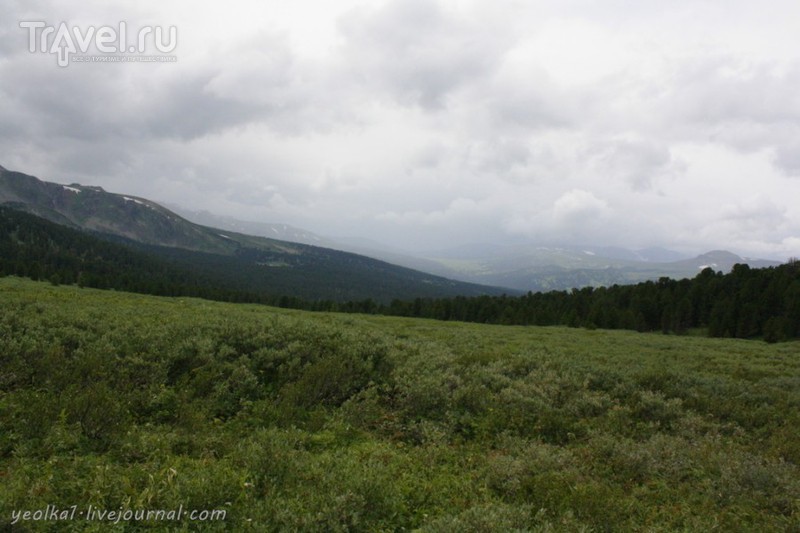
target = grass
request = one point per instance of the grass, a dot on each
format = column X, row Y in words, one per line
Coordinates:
column 298, row 421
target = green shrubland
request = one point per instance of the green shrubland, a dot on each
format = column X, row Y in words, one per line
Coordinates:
column 300, row 421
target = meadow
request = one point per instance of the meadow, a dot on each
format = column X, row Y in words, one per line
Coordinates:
column 299, row 421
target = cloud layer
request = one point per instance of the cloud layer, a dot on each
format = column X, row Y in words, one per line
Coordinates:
column 424, row 123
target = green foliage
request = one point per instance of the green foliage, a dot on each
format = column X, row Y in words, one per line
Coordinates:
column 296, row 421
column 747, row 303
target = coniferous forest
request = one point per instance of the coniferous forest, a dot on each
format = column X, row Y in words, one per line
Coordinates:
column 745, row 303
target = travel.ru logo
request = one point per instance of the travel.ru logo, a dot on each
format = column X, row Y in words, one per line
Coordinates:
column 110, row 43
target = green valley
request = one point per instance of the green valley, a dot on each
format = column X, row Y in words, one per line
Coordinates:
column 298, row 421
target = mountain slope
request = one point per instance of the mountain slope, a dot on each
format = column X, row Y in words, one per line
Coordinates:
column 283, row 232
column 92, row 208
column 247, row 262
column 289, row 233
column 33, row 247
column 294, row 268
column 524, row 267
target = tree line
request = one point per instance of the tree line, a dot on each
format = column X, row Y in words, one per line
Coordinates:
column 745, row 303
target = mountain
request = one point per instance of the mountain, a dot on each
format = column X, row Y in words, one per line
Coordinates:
column 522, row 266
column 289, row 233
column 282, row 232
column 33, row 247
column 659, row 255
column 93, row 209
column 242, row 262
column 721, row 260
column 530, row 267
column 341, row 271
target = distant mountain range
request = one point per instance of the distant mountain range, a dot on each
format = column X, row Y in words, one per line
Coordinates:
column 244, row 262
column 300, row 261
column 522, row 267
column 542, row 268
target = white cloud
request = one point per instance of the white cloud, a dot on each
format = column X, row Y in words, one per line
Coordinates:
column 435, row 122
column 787, row 156
column 418, row 51
column 639, row 163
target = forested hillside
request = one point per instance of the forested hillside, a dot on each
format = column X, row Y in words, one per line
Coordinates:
column 38, row 249
column 293, row 274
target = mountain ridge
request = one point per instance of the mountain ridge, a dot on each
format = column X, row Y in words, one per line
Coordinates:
column 294, row 268
column 564, row 268
column 283, row 232
column 544, row 268
column 519, row 267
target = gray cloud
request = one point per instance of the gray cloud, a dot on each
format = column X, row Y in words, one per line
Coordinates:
column 787, row 157
column 435, row 122
column 188, row 108
column 415, row 50
column 746, row 105
column 93, row 103
column 639, row 163
column 731, row 90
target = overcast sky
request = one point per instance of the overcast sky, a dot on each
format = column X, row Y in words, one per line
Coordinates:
column 422, row 123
